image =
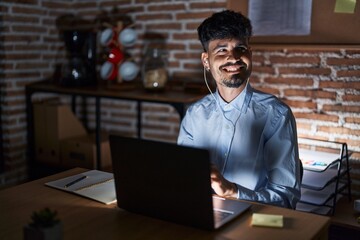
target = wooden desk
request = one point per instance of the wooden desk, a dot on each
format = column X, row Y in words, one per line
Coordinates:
column 87, row 219
column 177, row 99
column 344, row 224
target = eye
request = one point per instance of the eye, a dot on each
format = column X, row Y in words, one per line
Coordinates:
column 242, row 48
column 221, row 51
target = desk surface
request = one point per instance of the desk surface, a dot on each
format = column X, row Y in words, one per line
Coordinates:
column 87, row 219
column 133, row 93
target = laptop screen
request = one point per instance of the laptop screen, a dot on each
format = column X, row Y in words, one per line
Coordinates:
column 163, row 180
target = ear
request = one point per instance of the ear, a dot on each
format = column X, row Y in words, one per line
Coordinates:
column 205, row 60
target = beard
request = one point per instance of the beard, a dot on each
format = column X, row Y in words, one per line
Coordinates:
column 235, row 81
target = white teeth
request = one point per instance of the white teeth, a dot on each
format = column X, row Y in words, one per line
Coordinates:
column 232, row 68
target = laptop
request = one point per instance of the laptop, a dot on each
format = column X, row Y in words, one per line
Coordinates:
column 169, row 182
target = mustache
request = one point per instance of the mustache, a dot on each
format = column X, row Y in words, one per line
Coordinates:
column 228, row 64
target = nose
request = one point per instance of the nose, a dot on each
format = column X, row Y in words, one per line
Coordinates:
column 234, row 55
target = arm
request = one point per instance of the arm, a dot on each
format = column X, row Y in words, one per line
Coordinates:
column 282, row 185
column 282, row 166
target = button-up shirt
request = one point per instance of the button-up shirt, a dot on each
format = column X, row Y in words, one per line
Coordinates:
column 252, row 141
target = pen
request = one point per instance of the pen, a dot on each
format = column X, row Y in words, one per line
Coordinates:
column 75, row 181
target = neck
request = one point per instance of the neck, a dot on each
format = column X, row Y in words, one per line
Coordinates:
column 229, row 94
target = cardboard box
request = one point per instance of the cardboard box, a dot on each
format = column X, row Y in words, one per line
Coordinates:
column 81, row 152
column 53, row 122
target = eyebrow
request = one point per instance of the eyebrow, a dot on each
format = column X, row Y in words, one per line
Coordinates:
column 220, row 46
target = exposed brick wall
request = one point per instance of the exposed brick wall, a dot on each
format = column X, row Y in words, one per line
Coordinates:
column 320, row 84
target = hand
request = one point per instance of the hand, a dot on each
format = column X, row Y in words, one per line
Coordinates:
column 220, row 185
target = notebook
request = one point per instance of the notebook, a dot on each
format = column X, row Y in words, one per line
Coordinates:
column 94, row 184
column 170, row 182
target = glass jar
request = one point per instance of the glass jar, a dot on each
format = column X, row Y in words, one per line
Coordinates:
column 154, row 69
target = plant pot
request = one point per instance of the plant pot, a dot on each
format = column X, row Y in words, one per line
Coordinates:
column 52, row 233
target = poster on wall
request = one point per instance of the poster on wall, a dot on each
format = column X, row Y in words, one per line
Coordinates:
column 280, row 17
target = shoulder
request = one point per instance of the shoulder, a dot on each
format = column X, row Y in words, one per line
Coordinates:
column 207, row 103
column 269, row 103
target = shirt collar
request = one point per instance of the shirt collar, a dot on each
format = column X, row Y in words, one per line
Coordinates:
column 241, row 102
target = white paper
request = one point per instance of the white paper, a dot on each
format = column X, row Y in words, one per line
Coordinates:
column 280, row 17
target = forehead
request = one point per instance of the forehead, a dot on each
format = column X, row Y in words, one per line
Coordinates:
column 227, row 42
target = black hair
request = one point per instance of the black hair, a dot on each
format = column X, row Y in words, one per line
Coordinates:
column 222, row 25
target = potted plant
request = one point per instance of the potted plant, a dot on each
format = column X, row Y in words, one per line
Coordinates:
column 44, row 225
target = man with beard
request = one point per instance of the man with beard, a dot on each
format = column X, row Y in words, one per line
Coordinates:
column 251, row 135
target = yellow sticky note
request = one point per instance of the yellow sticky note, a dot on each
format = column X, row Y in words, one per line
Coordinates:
column 267, row 220
column 345, row 6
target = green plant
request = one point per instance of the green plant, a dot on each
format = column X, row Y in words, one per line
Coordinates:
column 44, row 218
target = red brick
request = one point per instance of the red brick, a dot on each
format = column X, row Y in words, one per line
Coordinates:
column 163, row 26
column 348, row 73
column 351, row 97
column 339, row 84
column 29, row 10
column 354, row 120
column 350, row 142
column 175, row 46
column 56, row 5
column 350, row 51
column 154, row 36
column 173, row 64
column 147, row 1
column 311, row 93
column 339, row 130
column 254, row 79
column 313, row 49
column 263, row 69
column 343, row 61
column 356, row 155
column 305, row 70
column 147, row 17
column 185, row 36
column 21, row 19
column 290, row 81
column 167, row 7
column 21, row 38
column 312, row 136
column 317, row 117
column 32, row 65
column 301, row 104
column 22, row 56
column 258, row 58
column 26, row 47
column 196, row 47
column 187, row 55
column 305, row 126
column 23, row 75
column 341, row 108
column 192, row 16
column 22, row 1
column 193, row 66
column 192, row 26
column 88, row 4
column 4, row 9
column 207, row 5
column 31, row 29
column 296, row 59
column 272, row 91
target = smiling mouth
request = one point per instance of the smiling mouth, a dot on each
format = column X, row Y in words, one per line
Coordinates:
column 233, row 68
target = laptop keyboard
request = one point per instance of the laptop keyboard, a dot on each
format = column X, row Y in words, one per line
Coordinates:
column 220, row 215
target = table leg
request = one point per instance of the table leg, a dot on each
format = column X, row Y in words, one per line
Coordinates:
column 98, row 133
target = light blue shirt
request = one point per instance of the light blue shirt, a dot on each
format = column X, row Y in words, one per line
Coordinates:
column 253, row 142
